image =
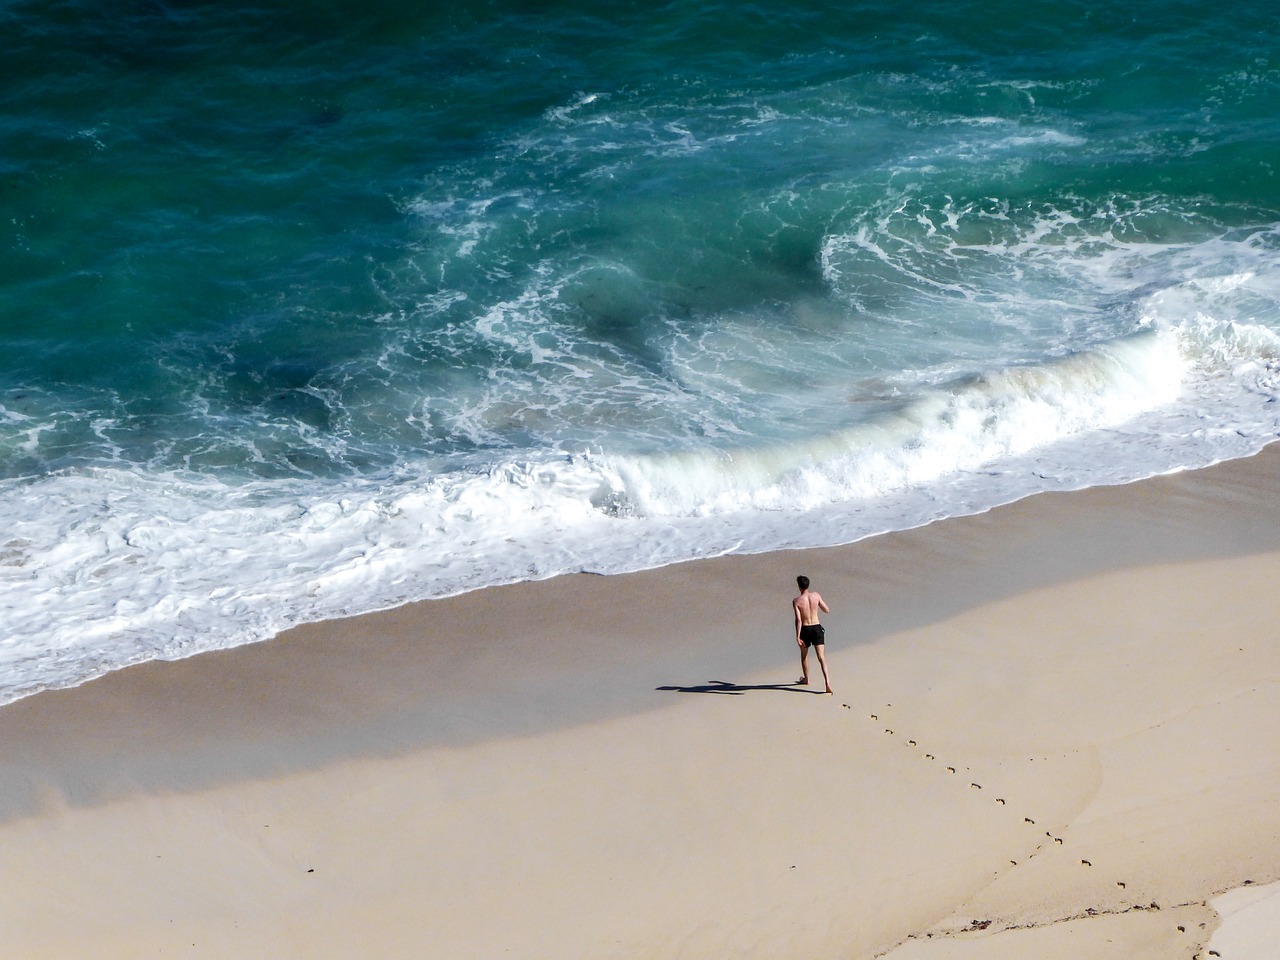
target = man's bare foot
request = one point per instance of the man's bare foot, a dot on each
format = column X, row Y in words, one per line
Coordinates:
column 829, row 691
column 802, row 682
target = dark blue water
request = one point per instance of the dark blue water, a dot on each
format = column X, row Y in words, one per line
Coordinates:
column 314, row 308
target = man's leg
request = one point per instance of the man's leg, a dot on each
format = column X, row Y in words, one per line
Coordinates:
column 804, row 664
column 821, row 649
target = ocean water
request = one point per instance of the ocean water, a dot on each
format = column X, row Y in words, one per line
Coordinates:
column 312, row 309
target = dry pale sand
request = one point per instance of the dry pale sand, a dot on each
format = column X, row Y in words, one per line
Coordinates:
column 1250, row 924
column 1054, row 735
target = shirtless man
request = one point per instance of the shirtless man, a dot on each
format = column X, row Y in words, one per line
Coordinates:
column 809, row 632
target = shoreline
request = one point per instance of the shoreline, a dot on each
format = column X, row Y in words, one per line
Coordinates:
column 622, row 759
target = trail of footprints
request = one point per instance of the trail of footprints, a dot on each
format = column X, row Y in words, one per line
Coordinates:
column 1058, row 841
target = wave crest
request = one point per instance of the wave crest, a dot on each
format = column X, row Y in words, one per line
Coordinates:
column 958, row 426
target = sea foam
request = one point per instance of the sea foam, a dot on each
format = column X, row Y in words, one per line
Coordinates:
column 105, row 567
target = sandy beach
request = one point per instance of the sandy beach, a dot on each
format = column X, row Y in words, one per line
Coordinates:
column 1054, row 734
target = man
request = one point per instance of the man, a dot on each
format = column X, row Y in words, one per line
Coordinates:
column 809, row 632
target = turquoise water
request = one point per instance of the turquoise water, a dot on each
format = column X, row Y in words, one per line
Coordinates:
column 316, row 308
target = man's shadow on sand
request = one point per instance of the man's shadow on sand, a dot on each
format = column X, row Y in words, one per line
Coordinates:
column 738, row 689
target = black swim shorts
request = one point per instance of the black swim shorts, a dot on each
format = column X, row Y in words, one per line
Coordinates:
column 813, row 635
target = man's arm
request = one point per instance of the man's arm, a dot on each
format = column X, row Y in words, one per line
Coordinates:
column 822, row 604
column 795, row 608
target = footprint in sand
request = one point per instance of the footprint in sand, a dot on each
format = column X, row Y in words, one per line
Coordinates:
column 951, row 769
column 1028, row 820
column 1000, row 800
column 1086, row 863
column 976, row 786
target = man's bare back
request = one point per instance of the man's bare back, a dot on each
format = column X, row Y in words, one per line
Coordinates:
column 807, row 606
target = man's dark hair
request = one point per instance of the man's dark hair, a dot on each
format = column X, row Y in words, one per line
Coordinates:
column 803, row 581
